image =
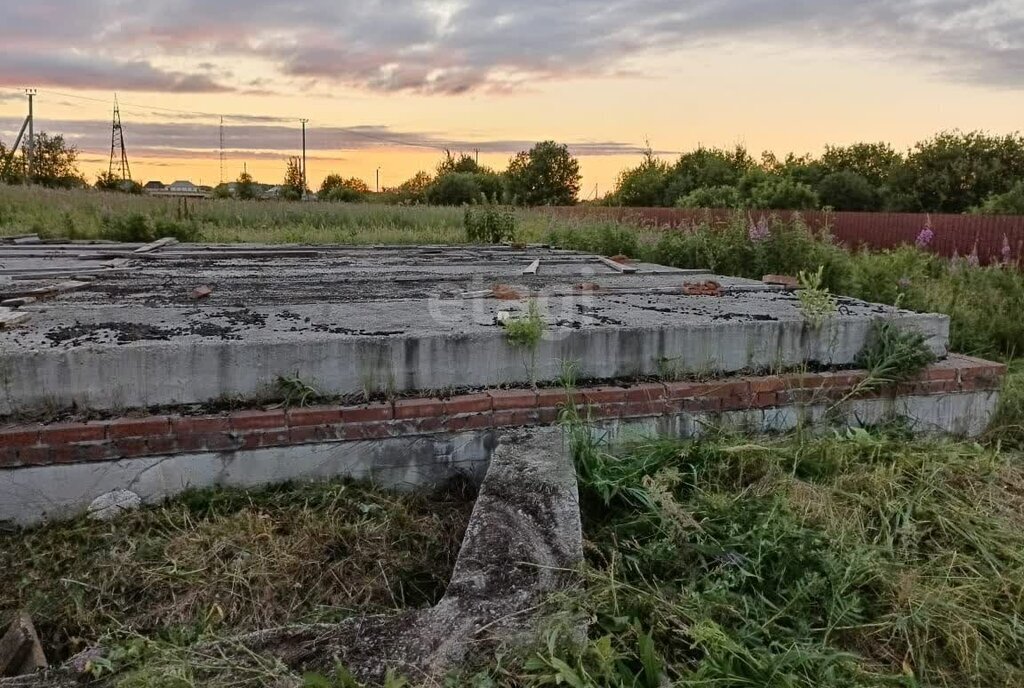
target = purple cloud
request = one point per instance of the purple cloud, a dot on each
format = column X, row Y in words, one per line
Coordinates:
column 473, row 45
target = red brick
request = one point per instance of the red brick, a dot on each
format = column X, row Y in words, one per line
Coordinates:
column 256, row 439
column 34, row 456
column 64, row 433
column 314, row 415
column 767, row 383
column 802, row 381
column 139, row 427
column 845, row 379
column 606, row 410
column 728, row 388
column 367, row 413
column 468, row 403
column 654, row 407
column 470, row 421
column 418, row 408
column 199, row 425
column 127, row 447
column 94, row 451
column 63, row 453
column 603, row 395
column 941, row 372
column 552, row 398
column 513, row 417
column 509, row 399
column 366, row 431
column 212, row 441
column 9, row 457
column 646, row 392
column 21, row 436
column 304, row 434
column 548, row 415
column 766, row 399
column 698, row 404
column 330, row 433
column 420, row 425
column 682, row 390
column 258, row 420
column 162, row 445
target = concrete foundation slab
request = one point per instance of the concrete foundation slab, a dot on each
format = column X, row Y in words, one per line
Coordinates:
column 369, row 320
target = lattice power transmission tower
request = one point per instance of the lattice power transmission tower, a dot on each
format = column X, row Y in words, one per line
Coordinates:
column 118, row 155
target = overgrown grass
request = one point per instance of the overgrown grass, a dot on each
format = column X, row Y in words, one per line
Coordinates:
column 232, row 560
column 857, row 559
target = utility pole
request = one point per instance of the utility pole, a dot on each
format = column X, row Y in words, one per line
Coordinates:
column 221, row 150
column 477, row 151
column 30, row 148
column 304, row 186
column 378, row 180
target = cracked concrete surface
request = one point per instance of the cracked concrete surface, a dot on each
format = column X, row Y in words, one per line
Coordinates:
column 351, row 320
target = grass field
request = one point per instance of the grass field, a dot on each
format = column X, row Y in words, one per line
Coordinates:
column 856, row 559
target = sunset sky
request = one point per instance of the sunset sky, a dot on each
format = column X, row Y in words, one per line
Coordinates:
column 392, row 84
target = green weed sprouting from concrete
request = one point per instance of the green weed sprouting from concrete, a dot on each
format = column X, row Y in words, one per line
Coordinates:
column 893, row 354
column 294, row 391
column 816, row 302
column 526, row 332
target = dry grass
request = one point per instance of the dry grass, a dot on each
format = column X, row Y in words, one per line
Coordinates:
column 233, row 561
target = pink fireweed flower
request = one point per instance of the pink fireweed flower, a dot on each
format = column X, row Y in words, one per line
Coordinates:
column 925, row 237
column 758, row 232
column 1006, row 252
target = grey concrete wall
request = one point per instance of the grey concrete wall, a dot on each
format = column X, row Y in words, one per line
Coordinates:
column 196, row 370
column 31, row 495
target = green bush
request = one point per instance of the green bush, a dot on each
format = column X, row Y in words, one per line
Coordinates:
column 711, row 197
column 489, row 224
column 139, row 228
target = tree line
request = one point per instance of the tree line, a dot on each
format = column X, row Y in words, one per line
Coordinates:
column 953, row 172
column 547, row 174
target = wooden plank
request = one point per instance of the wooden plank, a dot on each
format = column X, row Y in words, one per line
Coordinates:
column 10, row 317
column 59, row 288
column 156, row 245
column 532, row 270
column 77, row 275
column 19, row 301
column 618, row 267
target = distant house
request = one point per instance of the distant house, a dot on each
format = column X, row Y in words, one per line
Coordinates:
column 183, row 186
column 179, row 189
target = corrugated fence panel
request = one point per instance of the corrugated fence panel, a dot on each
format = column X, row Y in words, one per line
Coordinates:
column 992, row 237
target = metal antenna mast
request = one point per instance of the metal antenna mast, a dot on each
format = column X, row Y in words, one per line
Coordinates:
column 119, row 163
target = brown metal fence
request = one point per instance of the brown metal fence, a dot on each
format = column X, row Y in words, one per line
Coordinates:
column 961, row 235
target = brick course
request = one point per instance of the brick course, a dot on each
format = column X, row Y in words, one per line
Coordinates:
column 34, row 444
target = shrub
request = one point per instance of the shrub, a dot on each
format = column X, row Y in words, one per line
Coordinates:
column 780, row 193
column 140, row 228
column 848, row 190
column 711, row 197
column 489, row 224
